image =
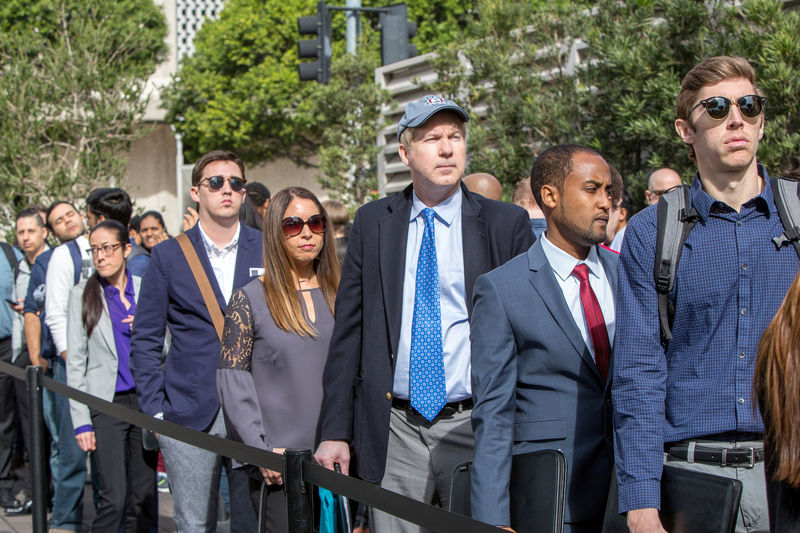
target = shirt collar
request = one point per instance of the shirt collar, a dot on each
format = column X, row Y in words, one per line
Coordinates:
column 703, row 202
column 111, row 291
column 211, row 245
column 445, row 211
column 563, row 264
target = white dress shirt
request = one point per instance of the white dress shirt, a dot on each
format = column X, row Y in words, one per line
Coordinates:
column 223, row 260
column 452, row 298
column 562, row 264
column 59, row 281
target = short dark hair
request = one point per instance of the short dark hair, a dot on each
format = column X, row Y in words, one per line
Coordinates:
column 53, row 206
column 112, row 203
column 154, row 214
column 210, row 157
column 617, row 185
column 627, row 202
column 257, row 192
column 135, row 223
column 553, row 166
column 33, row 211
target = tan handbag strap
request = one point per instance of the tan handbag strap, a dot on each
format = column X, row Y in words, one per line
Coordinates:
column 202, row 282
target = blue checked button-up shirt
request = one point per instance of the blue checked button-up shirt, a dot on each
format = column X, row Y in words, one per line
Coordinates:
column 730, row 282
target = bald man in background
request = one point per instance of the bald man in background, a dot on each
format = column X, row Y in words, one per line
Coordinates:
column 484, row 184
column 659, row 182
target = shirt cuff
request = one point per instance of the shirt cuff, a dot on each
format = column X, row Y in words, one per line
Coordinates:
column 84, row 429
column 160, row 416
column 639, row 495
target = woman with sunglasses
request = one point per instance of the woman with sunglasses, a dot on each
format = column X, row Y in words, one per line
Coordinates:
column 99, row 321
column 275, row 340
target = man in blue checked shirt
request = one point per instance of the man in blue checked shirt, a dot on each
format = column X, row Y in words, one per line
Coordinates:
column 683, row 399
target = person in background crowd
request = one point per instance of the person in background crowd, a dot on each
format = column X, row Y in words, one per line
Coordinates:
column 688, row 398
column 258, row 193
column 397, row 377
column 273, row 402
column 32, row 239
column 618, row 214
column 659, row 182
column 182, row 389
column 523, row 197
column 100, row 317
column 339, row 220
column 484, row 184
column 133, row 229
column 152, row 229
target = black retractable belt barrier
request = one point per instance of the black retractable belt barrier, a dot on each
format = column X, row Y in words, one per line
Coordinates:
column 36, row 449
column 300, row 470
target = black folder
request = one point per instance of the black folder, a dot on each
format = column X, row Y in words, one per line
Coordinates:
column 690, row 502
column 537, row 490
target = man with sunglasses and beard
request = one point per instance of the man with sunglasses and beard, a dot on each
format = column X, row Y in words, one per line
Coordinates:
column 686, row 400
column 184, row 390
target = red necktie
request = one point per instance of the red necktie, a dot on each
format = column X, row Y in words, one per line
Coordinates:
column 594, row 320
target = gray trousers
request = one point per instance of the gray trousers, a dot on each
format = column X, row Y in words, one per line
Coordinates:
column 420, row 461
column 753, row 515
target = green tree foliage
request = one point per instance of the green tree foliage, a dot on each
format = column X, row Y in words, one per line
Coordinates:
column 621, row 99
column 71, row 93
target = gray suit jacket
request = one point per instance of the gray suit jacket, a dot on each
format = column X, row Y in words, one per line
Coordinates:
column 536, row 386
column 91, row 362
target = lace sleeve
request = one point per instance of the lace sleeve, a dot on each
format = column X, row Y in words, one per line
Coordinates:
column 237, row 335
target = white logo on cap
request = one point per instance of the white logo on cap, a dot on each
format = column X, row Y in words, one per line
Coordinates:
column 432, row 100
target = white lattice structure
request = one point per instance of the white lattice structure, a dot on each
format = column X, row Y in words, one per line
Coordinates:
column 190, row 15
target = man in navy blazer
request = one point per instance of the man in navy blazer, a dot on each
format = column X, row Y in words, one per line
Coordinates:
column 184, row 390
column 539, row 380
column 369, row 402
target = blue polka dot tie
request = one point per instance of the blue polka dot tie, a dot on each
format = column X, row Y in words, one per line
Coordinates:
column 426, row 372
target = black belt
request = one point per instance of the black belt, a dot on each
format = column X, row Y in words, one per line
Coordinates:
column 449, row 409
column 746, row 457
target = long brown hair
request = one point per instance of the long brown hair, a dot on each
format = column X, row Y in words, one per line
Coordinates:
column 776, row 385
column 92, row 299
column 279, row 279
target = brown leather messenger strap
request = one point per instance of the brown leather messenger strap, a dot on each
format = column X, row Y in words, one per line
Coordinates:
column 202, row 282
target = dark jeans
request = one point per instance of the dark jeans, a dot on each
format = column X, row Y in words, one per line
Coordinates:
column 127, row 472
column 21, row 399
column 7, row 425
column 276, row 519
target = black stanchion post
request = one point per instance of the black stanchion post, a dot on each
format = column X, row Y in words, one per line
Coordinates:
column 298, row 492
column 36, row 449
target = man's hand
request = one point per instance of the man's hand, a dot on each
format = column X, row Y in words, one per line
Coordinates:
column 271, row 477
column 16, row 307
column 334, row 451
column 645, row 521
column 86, row 441
column 190, row 218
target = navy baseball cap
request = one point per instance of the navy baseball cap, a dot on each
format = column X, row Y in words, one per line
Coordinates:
column 417, row 113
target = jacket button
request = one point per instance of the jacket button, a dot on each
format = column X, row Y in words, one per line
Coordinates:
column 391, row 355
column 388, row 395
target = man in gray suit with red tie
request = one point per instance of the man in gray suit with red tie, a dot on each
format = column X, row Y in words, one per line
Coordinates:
column 397, row 377
column 542, row 332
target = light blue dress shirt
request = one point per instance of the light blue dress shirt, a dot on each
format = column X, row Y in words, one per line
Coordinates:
column 6, row 291
column 453, row 300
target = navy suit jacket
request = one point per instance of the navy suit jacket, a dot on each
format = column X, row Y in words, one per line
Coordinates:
column 185, row 390
column 536, row 386
column 359, row 373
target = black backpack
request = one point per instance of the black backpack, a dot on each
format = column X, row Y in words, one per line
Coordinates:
column 12, row 258
column 677, row 217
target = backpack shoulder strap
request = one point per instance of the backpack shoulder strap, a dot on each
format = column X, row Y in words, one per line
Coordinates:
column 676, row 218
column 787, row 199
column 203, row 284
column 10, row 255
column 77, row 259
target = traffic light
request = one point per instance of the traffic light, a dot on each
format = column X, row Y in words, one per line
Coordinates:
column 319, row 48
column 396, row 30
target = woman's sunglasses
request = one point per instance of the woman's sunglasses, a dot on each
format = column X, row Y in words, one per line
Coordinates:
column 718, row 107
column 292, row 226
column 215, row 183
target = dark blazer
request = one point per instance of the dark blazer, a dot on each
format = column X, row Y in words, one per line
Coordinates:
column 359, row 374
column 536, row 386
column 185, row 390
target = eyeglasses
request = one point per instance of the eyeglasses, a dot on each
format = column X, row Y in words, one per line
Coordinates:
column 215, row 183
column 107, row 249
column 718, row 107
column 292, row 226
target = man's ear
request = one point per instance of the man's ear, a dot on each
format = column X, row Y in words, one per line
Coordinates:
column 685, row 131
column 194, row 194
column 550, row 196
column 623, row 214
column 403, row 153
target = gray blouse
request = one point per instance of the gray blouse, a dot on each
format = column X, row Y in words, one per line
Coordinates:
column 269, row 381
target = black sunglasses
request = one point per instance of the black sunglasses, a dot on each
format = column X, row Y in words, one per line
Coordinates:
column 292, row 226
column 215, row 183
column 718, row 107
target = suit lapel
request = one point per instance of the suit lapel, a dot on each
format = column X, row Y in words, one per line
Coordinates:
column 392, row 259
column 544, row 282
column 475, row 243
column 200, row 248
column 247, row 243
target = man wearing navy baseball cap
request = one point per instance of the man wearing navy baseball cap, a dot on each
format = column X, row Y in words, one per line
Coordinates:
column 397, row 379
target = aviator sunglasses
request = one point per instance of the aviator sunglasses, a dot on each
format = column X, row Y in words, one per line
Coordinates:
column 292, row 226
column 718, row 107
column 215, row 183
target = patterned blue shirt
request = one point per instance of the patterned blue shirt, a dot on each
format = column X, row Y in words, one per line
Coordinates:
column 730, row 282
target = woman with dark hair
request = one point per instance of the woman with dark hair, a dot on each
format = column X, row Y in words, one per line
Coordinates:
column 275, row 340
column 777, row 386
column 100, row 317
column 152, row 229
